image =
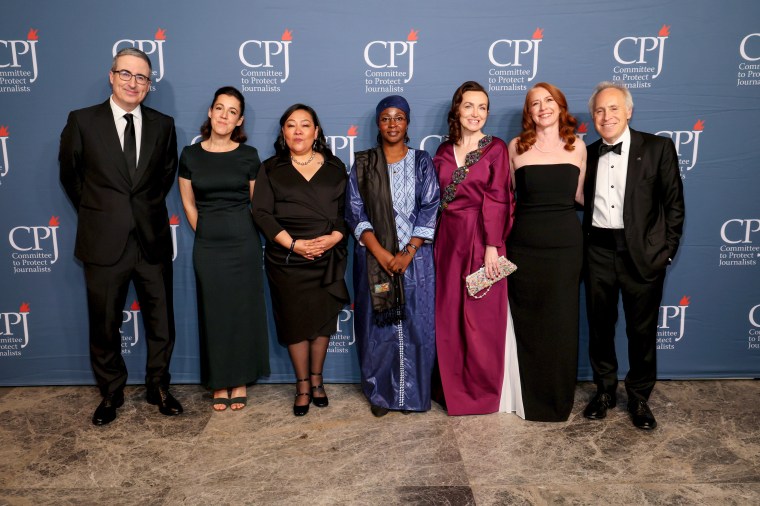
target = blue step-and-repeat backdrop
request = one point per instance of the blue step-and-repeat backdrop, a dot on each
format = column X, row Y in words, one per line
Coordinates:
column 693, row 67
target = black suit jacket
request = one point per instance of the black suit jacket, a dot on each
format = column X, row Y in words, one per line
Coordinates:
column 94, row 173
column 653, row 206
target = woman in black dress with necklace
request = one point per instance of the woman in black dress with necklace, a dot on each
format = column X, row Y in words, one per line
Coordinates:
column 299, row 202
column 216, row 181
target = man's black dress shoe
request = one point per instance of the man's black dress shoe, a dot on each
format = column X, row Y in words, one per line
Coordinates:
column 641, row 415
column 597, row 408
column 105, row 413
column 378, row 411
column 161, row 397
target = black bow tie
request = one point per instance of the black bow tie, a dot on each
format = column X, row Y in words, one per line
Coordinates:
column 606, row 148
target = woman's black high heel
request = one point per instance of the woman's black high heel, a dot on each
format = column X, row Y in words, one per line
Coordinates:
column 319, row 402
column 301, row 410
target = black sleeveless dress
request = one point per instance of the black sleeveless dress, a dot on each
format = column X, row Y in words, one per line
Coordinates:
column 546, row 243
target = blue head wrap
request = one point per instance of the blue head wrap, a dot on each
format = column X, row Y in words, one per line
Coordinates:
column 396, row 101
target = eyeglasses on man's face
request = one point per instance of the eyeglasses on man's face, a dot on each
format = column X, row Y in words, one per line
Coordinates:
column 126, row 75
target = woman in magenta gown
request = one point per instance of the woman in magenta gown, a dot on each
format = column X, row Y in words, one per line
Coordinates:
column 473, row 173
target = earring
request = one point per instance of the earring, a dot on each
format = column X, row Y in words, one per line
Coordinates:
column 314, row 146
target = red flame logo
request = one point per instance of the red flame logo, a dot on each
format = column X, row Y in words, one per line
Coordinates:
column 583, row 128
column 684, row 301
column 32, row 35
column 174, row 220
column 54, row 221
column 412, row 34
column 699, row 125
column 287, row 35
column 3, row 131
column 160, row 34
column 353, row 130
column 538, row 34
column 664, row 31
column 135, row 306
column 24, row 308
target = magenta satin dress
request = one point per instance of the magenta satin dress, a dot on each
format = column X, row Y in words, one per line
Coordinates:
column 471, row 333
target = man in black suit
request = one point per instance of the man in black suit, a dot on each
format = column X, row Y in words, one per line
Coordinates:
column 117, row 163
column 633, row 220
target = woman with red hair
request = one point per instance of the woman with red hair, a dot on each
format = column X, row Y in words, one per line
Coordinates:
column 548, row 164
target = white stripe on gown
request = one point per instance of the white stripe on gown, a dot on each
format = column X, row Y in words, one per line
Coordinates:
column 511, row 391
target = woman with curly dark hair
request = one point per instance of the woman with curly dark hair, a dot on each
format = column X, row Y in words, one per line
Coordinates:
column 298, row 204
column 476, row 210
column 548, row 164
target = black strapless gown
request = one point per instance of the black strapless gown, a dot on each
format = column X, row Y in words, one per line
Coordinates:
column 546, row 243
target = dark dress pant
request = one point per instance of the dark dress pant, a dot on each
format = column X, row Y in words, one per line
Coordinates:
column 610, row 273
column 107, row 288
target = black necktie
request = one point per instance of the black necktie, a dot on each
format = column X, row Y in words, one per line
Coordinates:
column 606, row 148
column 130, row 145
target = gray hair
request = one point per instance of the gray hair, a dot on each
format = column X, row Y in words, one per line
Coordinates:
column 131, row 51
column 609, row 84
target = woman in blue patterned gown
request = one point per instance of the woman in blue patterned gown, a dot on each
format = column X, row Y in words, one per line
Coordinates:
column 391, row 204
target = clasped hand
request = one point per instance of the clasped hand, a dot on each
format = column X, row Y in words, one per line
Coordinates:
column 395, row 264
column 315, row 248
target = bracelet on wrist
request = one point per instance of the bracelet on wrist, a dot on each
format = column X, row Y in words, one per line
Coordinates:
column 290, row 252
column 415, row 248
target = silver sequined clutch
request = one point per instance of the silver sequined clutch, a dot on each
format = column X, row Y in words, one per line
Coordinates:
column 477, row 281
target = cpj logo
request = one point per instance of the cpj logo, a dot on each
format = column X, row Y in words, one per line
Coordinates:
column 14, row 331
column 343, row 338
column 687, row 145
column 431, row 142
column 344, row 144
column 35, row 248
column 131, row 335
column 267, row 63
column 671, row 324
column 174, row 224
column 18, row 63
column 738, row 249
column 391, row 64
column 5, row 165
column 640, row 59
column 749, row 68
column 581, row 131
column 513, row 62
column 753, row 339
column 153, row 48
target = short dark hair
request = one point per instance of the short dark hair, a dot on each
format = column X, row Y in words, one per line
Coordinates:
column 238, row 134
column 320, row 145
column 131, row 51
column 455, row 129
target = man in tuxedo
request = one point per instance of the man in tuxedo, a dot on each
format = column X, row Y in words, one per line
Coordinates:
column 117, row 161
column 633, row 220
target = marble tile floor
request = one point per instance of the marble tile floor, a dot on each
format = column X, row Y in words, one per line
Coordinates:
column 706, row 450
